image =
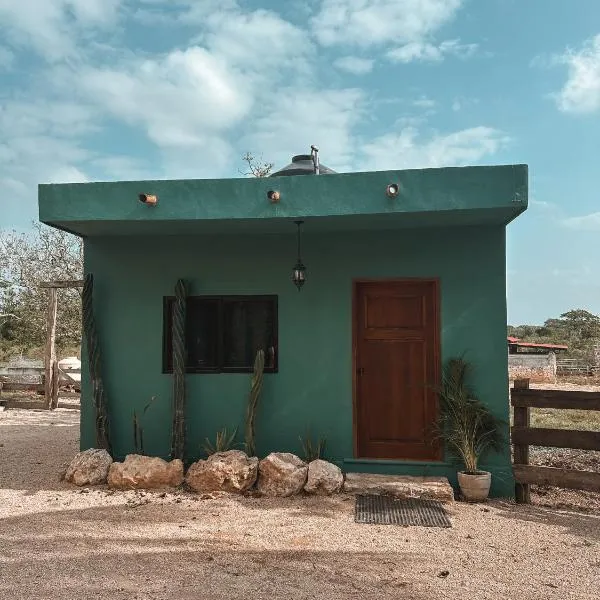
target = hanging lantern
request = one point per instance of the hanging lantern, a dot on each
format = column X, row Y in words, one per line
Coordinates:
column 299, row 270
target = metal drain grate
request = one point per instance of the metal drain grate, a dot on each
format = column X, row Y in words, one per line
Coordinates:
column 386, row 510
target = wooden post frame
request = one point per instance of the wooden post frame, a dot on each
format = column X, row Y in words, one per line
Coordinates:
column 522, row 418
column 55, row 383
column 51, row 371
column 50, row 354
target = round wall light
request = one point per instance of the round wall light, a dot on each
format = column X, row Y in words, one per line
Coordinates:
column 273, row 196
column 149, row 199
column 392, row 190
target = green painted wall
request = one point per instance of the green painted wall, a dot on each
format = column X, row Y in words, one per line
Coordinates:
column 313, row 386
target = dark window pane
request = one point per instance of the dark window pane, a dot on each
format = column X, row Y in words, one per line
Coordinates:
column 201, row 331
column 224, row 334
column 248, row 325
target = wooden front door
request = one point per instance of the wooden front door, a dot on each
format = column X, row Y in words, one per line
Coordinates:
column 396, row 365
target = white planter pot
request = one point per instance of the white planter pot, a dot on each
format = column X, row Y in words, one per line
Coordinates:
column 475, row 487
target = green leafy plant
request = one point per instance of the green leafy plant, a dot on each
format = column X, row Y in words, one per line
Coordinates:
column 255, row 389
column 138, row 430
column 465, row 424
column 312, row 450
column 223, row 441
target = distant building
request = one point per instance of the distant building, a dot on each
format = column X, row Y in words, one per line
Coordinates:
column 516, row 346
column 533, row 361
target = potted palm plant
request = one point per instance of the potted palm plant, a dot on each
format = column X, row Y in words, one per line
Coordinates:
column 468, row 429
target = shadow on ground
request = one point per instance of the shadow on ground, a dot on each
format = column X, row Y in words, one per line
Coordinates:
column 575, row 523
column 80, row 554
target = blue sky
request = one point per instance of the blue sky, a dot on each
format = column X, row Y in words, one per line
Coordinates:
column 136, row 89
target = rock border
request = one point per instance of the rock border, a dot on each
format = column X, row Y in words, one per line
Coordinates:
column 280, row 474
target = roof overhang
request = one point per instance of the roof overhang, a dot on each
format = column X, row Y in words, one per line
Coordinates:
column 460, row 196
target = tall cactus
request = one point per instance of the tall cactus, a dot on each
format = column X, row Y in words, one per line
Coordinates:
column 179, row 360
column 255, row 389
column 93, row 354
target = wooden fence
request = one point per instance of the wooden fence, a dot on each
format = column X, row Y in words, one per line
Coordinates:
column 575, row 366
column 523, row 399
column 64, row 378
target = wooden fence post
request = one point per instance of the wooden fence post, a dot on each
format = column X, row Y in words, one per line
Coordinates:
column 50, row 356
column 521, row 452
column 55, row 384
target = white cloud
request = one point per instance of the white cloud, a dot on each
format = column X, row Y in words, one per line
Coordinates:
column 191, row 98
column 378, row 22
column 354, row 64
column 177, row 98
column 581, row 92
column 297, row 118
column 427, row 52
column 407, row 150
column 543, row 206
column 180, row 12
column 67, row 175
column 424, row 102
column 39, row 144
column 462, row 102
column 123, row 168
column 258, row 41
column 589, row 222
column 7, row 58
column 52, row 27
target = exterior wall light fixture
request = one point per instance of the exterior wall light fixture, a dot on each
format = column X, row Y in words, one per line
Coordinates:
column 299, row 270
column 392, row 190
column 149, row 199
column 273, row 196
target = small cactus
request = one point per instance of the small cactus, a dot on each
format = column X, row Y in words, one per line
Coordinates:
column 223, row 441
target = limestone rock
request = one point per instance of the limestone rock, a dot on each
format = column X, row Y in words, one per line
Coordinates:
column 400, row 486
column 281, row 474
column 232, row 471
column 324, row 478
column 145, row 472
column 89, row 467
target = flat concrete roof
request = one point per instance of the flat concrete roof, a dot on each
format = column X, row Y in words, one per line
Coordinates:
column 453, row 196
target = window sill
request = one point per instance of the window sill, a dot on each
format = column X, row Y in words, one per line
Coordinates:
column 222, row 372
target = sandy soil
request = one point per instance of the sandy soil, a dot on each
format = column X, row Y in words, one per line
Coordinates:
column 563, row 458
column 64, row 543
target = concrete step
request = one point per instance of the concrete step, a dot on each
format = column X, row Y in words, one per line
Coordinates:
column 400, row 486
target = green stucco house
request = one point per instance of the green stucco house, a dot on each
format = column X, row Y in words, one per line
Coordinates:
column 403, row 269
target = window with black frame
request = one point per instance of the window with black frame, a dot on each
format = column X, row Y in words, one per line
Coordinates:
column 224, row 333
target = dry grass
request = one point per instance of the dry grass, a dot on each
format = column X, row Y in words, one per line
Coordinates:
column 579, row 380
column 63, row 543
column 586, row 420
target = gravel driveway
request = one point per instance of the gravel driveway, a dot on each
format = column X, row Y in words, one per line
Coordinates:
column 63, row 543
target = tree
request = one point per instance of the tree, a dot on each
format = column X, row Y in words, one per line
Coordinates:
column 26, row 260
column 579, row 329
column 257, row 168
column 580, row 324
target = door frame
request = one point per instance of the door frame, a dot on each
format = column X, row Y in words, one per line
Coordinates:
column 356, row 283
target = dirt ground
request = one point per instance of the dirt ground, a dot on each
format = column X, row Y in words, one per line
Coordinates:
column 64, row 543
